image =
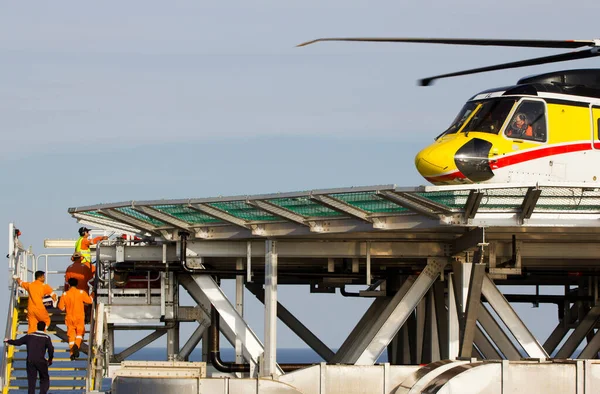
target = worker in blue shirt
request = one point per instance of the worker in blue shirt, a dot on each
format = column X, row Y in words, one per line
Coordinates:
column 37, row 343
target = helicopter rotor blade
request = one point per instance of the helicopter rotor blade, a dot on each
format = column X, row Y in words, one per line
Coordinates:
column 569, row 44
column 587, row 53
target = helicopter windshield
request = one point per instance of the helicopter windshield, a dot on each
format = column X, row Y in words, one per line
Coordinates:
column 460, row 119
column 490, row 116
column 486, row 116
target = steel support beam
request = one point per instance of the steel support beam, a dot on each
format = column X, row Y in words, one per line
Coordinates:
column 367, row 325
column 484, row 345
column 248, row 261
column 194, row 340
column 468, row 241
column 163, row 217
column 591, row 349
column 497, row 335
column 205, row 291
column 219, row 214
column 431, row 344
column 278, row 211
column 441, row 318
column 408, row 202
column 453, row 320
column 130, row 220
column 398, row 316
column 561, row 329
column 173, row 341
column 239, row 307
column 582, row 329
column 139, row 345
column 529, row 202
column 341, row 206
column 421, row 315
column 469, row 323
column 105, row 223
column 510, row 318
column 418, row 201
column 270, row 354
column 295, row 325
column 472, row 205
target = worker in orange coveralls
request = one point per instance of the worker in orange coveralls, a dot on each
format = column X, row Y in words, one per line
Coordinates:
column 72, row 301
column 79, row 271
column 36, row 311
column 83, row 246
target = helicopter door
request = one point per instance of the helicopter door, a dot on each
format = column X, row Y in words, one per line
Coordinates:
column 596, row 125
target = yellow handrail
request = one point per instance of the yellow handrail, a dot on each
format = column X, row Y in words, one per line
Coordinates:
column 10, row 350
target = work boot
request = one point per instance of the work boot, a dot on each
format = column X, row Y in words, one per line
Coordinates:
column 75, row 352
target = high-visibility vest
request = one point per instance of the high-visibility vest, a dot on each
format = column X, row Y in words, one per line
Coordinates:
column 86, row 255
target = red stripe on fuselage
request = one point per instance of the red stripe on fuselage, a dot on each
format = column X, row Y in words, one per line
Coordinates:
column 446, row 178
column 520, row 157
column 538, row 154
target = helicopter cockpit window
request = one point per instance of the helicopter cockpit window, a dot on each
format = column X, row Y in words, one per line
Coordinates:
column 460, row 119
column 491, row 116
column 528, row 122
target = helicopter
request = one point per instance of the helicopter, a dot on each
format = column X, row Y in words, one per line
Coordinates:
column 545, row 128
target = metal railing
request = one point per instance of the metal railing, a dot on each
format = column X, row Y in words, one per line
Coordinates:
column 96, row 361
column 17, row 266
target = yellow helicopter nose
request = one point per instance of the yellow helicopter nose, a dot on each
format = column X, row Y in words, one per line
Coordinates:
column 436, row 163
column 455, row 160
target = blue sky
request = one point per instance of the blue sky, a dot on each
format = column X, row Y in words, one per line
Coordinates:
column 112, row 101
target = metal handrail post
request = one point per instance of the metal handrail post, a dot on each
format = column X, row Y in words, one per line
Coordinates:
column 94, row 348
column 13, row 270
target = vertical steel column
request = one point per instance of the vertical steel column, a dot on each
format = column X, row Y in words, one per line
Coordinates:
column 435, row 335
column 270, row 359
column 295, row 325
column 239, row 306
column 389, row 323
column 441, row 316
column 249, row 261
column 205, row 345
column 173, row 332
column 453, row 326
column 110, row 335
column 421, row 311
column 173, row 341
column 404, row 347
column 368, row 263
column 473, row 300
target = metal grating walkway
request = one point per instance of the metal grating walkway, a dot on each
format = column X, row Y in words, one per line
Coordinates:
column 357, row 209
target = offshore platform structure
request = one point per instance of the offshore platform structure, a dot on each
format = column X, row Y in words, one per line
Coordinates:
column 430, row 257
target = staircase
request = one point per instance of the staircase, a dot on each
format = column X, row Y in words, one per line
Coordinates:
column 66, row 376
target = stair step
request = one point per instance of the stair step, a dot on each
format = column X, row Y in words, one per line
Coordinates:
column 56, row 369
column 59, row 388
column 18, row 350
column 47, row 332
column 51, row 378
column 58, row 312
column 54, row 359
